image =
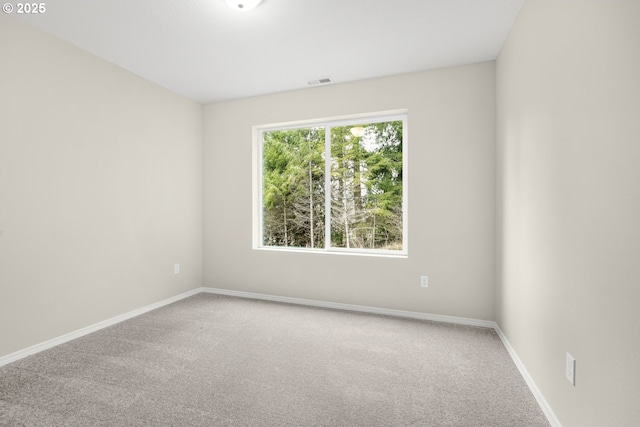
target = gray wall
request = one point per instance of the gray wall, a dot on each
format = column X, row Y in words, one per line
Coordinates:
column 568, row 98
column 451, row 182
column 100, row 189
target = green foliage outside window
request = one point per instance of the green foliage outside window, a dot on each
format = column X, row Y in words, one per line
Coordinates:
column 365, row 187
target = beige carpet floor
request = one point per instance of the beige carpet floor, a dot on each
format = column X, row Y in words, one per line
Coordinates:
column 213, row 360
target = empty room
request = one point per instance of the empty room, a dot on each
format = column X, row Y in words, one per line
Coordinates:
column 320, row 213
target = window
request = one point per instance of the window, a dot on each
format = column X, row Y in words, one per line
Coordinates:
column 334, row 185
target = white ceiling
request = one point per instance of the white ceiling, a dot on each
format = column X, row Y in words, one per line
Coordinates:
column 208, row 52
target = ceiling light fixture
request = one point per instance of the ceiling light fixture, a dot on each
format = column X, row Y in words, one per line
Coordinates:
column 243, row 5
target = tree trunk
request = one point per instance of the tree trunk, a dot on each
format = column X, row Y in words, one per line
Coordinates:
column 286, row 232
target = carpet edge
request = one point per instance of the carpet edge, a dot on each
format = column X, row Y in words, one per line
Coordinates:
column 542, row 402
column 353, row 307
column 20, row 354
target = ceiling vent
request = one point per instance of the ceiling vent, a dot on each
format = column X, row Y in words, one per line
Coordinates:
column 321, row 81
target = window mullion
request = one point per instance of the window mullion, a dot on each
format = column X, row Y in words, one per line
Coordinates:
column 327, row 187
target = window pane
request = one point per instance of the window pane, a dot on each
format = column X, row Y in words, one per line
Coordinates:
column 293, row 188
column 366, row 186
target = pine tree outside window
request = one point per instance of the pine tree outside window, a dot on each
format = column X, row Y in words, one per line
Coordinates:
column 334, row 185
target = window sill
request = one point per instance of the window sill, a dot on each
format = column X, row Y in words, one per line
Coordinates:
column 335, row 251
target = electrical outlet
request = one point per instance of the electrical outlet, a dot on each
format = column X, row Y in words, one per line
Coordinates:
column 176, row 268
column 424, row 281
column 570, row 369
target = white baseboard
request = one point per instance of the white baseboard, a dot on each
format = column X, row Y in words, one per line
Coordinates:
column 353, row 307
column 544, row 405
column 92, row 328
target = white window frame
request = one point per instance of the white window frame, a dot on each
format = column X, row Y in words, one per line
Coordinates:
column 257, row 163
